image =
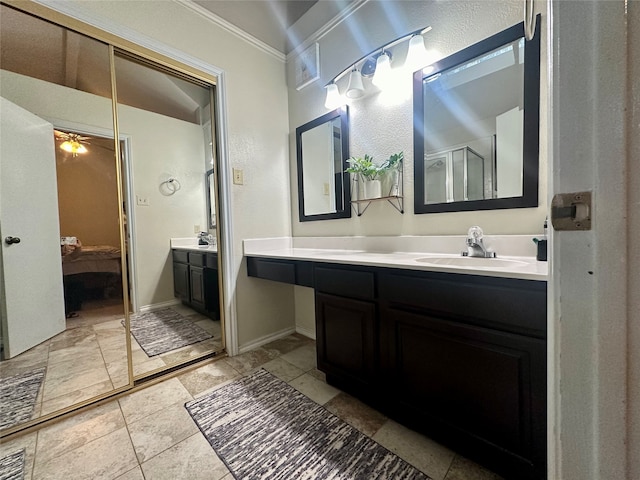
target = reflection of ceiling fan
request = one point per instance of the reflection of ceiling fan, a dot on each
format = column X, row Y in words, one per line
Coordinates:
column 72, row 142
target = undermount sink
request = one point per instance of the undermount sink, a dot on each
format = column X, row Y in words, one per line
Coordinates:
column 473, row 262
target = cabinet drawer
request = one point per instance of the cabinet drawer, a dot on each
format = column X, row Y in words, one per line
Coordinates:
column 180, row 256
column 197, row 259
column 518, row 306
column 276, row 270
column 345, row 282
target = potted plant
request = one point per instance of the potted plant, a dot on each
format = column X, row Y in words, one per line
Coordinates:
column 392, row 166
column 370, row 173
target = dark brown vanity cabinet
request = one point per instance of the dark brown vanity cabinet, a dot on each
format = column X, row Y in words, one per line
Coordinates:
column 459, row 357
column 465, row 358
column 195, row 281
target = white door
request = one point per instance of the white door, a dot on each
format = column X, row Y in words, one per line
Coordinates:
column 32, row 297
column 593, row 426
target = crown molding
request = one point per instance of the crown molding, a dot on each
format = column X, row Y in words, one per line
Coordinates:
column 231, row 28
column 326, row 28
column 128, row 34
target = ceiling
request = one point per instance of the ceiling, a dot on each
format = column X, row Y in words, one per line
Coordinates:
column 267, row 20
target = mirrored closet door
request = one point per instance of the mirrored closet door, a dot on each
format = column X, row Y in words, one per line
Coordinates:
column 64, row 341
column 88, row 206
column 165, row 119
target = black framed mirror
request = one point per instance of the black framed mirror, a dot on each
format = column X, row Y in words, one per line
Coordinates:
column 476, row 126
column 322, row 148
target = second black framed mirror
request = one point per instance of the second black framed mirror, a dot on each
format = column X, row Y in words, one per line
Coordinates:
column 322, row 147
column 476, row 126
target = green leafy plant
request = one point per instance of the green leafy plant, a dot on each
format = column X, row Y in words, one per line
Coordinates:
column 394, row 162
column 364, row 166
column 369, row 170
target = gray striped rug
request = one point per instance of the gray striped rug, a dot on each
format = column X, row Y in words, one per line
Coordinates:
column 161, row 331
column 18, row 395
column 262, row 428
column 12, row 466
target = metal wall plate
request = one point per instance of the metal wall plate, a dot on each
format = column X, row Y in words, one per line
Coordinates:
column 571, row 211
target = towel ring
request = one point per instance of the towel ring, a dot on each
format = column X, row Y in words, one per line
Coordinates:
column 170, row 186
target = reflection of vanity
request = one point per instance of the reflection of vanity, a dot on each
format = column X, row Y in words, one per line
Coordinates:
column 195, row 278
column 457, row 353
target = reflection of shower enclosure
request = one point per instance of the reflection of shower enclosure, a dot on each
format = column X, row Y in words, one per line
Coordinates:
column 454, row 175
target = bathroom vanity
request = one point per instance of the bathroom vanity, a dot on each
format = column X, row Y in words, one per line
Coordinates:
column 195, row 278
column 456, row 352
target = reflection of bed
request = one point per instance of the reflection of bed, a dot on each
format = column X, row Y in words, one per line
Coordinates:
column 92, row 259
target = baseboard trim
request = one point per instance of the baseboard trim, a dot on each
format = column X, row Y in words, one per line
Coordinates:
column 157, row 306
column 307, row 332
column 266, row 339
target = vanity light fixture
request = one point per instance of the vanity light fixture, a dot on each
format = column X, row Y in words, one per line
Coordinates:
column 376, row 63
column 333, row 100
column 355, row 88
column 383, row 70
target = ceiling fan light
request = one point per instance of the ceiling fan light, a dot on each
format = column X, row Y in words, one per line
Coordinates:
column 74, row 147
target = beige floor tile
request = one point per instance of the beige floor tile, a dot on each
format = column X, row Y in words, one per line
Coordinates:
column 283, row 369
column 78, row 430
column 248, row 361
column 58, row 382
column 67, row 399
column 303, row 357
column 33, row 358
column 421, row 452
column 153, row 399
column 192, row 459
column 464, row 469
column 288, row 343
column 106, row 457
column 355, row 413
column 28, row 442
column 189, row 352
column 148, row 366
column 314, row 372
column 156, row 433
column 134, row 474
column 207, row 377
column 313, row 388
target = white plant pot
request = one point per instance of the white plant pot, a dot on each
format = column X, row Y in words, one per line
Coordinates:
column 372, row 189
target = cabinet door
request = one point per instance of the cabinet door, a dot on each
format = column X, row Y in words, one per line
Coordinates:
column 181, row 281
column 483, row 388
column 211, row 293
column 196, row 275
column 345, row 338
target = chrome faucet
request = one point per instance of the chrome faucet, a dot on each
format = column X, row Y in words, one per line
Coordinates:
column 475, row 245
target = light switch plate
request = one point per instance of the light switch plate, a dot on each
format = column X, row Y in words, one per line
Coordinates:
column 238, row 177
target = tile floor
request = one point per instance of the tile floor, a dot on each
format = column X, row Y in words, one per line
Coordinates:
column 89, row 358
column 149, row 434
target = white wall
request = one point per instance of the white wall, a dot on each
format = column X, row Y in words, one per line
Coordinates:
column 257, row 141
column 380, row 129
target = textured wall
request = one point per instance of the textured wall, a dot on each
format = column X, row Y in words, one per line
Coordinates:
column 381, row 129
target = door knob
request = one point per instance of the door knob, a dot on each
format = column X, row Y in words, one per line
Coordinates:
column 11, row 240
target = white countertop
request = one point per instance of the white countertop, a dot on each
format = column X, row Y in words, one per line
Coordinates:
column 427, row 259
column 192, row 245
